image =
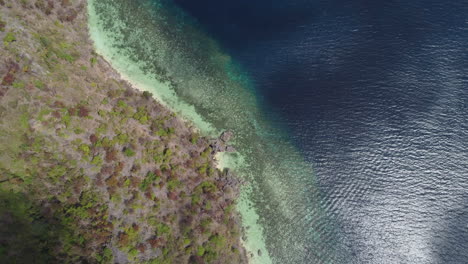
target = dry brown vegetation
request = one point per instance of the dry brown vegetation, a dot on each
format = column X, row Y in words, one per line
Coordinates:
column 91, row 170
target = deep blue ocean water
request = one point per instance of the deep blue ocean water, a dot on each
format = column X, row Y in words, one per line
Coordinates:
column 375, row 95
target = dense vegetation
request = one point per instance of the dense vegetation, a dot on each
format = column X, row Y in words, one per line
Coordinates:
column 92, row 171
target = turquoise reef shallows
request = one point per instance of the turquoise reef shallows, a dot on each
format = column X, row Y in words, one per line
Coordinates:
column 158, row 48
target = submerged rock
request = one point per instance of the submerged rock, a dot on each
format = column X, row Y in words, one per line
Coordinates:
column 226, row 136
column 230, row 149
column 220, row 144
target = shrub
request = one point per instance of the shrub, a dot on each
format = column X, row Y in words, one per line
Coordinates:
column 205, row 222
column 43, row 113
column 149, row 179
column 133, row 252
column 97, row 161
column 147, row 95
column 65, row 52
column 83, row 111
column 44, row 6
column 172, row 184
column 59, row 104
column 123, row 239
column 66, row 119
column 72, row 111
column 84, row 149
column 104, row 142
column 119, row 167
column 206, row 152
column 105, row 257
column 172, row 196
column 129, row 152
column 45, row 42
column 194, row 139
column 162, row 229
column 141, row 115
column 101, row 129
column 229, row 209
column 9, row 38
column 121, row 104
column 12, row 66
column 56, row 172
column 112, row 181
column 196, row 199
column 39, row 84
column 206, row 187
column 217, row 241
column 171, row 131
column 127, row 183
column 93, row 61
column 24, row 120
column 67, row 15
column 210, row 256
column 102, row 113
column 135, row 168
column 161, row 132
column 121, row 138
column 200, row 251
column 141, row 247
column 18, row 85
column 8, row 79
column 203, row 169
column 111, row 155
column 158, row 159
column 167, row 154
column 93, row 138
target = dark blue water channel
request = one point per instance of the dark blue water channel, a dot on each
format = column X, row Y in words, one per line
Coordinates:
column 375, row 95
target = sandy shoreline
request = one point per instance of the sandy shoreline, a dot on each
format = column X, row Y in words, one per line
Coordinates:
column 164, row 94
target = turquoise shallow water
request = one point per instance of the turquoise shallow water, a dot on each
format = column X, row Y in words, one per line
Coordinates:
column 159, row 48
